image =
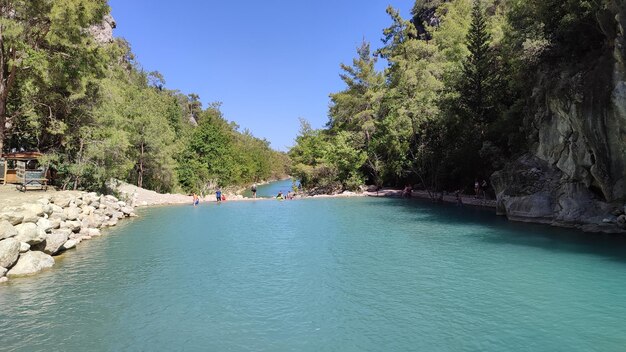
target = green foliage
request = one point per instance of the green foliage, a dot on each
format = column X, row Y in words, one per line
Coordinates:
column 97, row 115
column 216, row 154
column 451, row 103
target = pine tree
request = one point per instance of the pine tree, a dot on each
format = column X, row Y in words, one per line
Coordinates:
column 479, row 72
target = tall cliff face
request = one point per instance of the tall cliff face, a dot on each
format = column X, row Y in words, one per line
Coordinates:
column 575, row 173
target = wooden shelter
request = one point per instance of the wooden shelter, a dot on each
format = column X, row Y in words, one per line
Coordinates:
column 23, row 168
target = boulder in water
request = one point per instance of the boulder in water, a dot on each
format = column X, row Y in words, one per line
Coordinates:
column 69, row 244
column 54, row 241
column 31, row 263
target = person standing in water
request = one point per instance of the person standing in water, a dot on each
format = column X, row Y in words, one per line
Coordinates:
column 196, row 199
column 218, row 195
column 253, row 189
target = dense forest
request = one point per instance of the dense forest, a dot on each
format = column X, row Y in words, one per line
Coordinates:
column 452, row 104
column 83, row 100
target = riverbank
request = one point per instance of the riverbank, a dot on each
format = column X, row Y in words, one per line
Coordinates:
column 463, row 200
column 35, row 226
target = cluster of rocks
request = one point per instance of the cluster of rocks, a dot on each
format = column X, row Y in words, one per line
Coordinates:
column 31, row 234
column 531, row 190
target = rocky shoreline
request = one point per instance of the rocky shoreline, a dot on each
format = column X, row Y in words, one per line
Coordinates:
column 31, row 234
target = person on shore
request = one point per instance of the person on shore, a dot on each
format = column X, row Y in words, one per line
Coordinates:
column 280, row 195
column 459, row 200
column 476, row 188
column 218, row 195
column 483, row 187
column 407, row 192
column 253, row 189
column 196, row 200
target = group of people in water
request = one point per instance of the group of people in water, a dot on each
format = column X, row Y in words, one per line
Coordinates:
column 220, row 197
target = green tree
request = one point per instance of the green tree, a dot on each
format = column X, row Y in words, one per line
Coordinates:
column 480, row 75
column 356, row 108
column 45, row 62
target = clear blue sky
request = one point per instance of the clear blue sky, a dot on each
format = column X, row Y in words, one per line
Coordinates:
column 268, row 62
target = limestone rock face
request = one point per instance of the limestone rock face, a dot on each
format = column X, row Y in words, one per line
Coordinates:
column 575, row 173
column 7, row 230
column 31, row 263
column 29, row 233
column 103, row 32
column 9, row 251
column 530, row 189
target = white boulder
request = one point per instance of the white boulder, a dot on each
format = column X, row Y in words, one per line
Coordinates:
column 7, row 230
column 127, row 210
column 58, row 216
column 13, row 217
column 69, row 244
column 73, row 226
column 54, row 242
column 44, row 224
column 31, row 263
column 61, row 200
column 35, row 208
column 9, row 252
column 24, row 247
column 29, row 216
column 72, row 213
column 29, row 233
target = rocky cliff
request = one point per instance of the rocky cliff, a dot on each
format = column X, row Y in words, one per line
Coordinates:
column 103, row 32
column 575, row 173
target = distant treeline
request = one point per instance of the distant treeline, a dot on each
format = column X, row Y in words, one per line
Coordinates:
column 96, row 114
column 450, row 106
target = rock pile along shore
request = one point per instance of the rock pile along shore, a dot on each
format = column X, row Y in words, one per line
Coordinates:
column 31, row 234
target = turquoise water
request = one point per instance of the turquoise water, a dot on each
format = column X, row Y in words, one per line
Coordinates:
column 271, row 189
column 358, row 274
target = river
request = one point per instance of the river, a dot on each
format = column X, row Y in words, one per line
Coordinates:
column 359, row 274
